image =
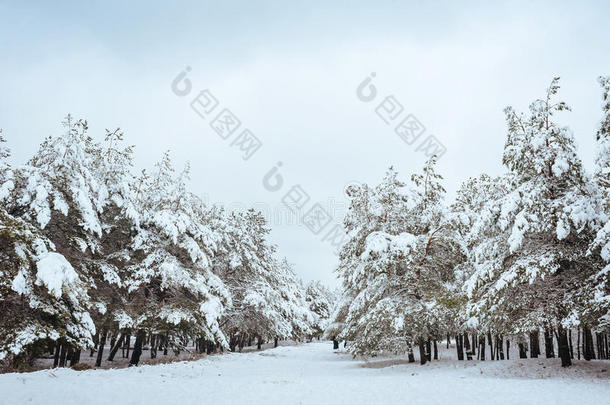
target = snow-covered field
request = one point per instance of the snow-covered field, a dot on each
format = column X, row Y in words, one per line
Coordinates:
column 314, row 374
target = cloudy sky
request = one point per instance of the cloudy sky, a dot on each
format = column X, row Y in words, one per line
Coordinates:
column 289, row 73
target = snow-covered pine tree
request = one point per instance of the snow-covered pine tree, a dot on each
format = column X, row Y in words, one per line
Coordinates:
column 321, row 302
column 397, row 264
column 475, row 219
column 600, row 305
column 171, row 288
column 547, row 214
column 42, row 297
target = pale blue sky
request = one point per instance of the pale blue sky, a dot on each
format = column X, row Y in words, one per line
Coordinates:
column 289, row 72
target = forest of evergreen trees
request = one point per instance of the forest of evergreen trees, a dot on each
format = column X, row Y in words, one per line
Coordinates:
column 92, row 254
column 512, row 259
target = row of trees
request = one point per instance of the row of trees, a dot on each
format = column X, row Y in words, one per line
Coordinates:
column 89, row 250
column 513, row 255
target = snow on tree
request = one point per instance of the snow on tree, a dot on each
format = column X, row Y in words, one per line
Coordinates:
column 42, row 297
column 397, row 264
column 601, row 180
column 268, row 300
column 170, row 284
column 547, row 216
column 321, row 301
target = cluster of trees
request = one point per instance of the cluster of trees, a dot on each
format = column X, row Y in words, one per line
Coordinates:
column 89, row 251
column 511, row 257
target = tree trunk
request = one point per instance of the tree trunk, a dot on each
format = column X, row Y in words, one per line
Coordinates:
column 449, row 340
column 114, row 349
column 466, row 345
column 588, row 352
column 578, row 342
column 563, row 346
column 459, row 346
column 275, row 342
column 410, row 352
column 507, row 349
column 523, row 351
column 259, row 343
column 491, row 346
column 534, row 344
column 153, row 346
column 100, row 349
column 75, row 357
column 137, row 348
column 128, row 345
column 428, row 350
column 548, row 344
column 482, row 347
column 56, row 356
column 233, row 343
column 435, row 351
column 62, row 356
column 422, row 351
column 335, row 344
column 499, row 347
column 570, row 341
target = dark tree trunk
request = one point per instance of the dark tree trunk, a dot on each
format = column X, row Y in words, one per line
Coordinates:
column 466, row 345
column 62, row 356
column 75, row 357
column 534, row 344
column 578, row 342
column 259, row 343
column 233, row 343
column 56, row 356
column 499, row 347
column 69, row 355
column 482, row 347
column 410, row 352
column 570, row 341
column 491, row 346
column 137, row 348
column 335, row 344
column 459, row 345
column 428, row 350
column 275, row 342
column 100, row 349
column 548, row 344
column 112, row 340
column 422, row 351
column 114, row 349
column 435, row 351
column 448, row 340
column 563, row 347
column 153, row 346
column 588, row 352
column 522, row 351
column 507, row 349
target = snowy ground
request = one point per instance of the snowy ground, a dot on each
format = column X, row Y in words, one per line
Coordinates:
column 314, row 374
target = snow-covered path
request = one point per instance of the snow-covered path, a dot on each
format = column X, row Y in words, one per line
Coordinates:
column 313, row 374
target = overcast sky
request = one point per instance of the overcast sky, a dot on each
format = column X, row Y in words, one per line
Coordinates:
column 289, row 73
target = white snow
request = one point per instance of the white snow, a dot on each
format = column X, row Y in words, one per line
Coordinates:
column 314, row 374
column 54, row 271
